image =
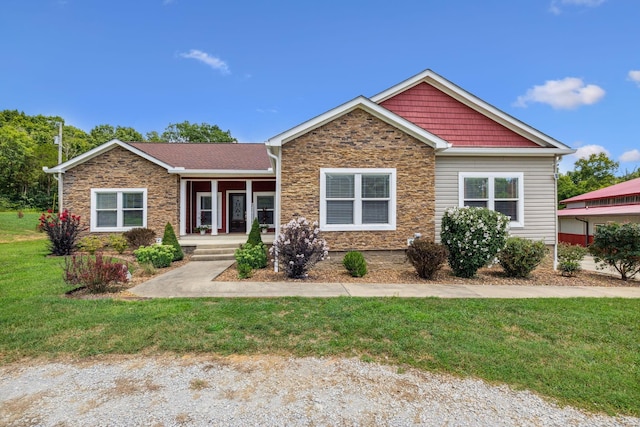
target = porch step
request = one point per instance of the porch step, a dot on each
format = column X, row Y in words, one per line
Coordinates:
column 213, row 252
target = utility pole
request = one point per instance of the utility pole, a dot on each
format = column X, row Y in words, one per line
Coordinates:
column 58, row 141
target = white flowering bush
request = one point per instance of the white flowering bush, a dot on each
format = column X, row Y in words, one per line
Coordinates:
column 299, row 247
column 473, row 236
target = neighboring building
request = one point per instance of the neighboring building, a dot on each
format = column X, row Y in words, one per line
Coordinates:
column 373, row 172
column 584, row 213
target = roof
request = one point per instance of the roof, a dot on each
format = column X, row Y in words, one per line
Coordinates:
column 601, row 210
column 202, row 156
column 462, row 119
column 370, row 107
column 194, row 158
column 626, row 188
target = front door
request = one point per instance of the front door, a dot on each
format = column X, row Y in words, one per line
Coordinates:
column 237, row 212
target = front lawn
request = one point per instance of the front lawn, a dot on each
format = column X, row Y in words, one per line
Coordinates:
column 583, row 352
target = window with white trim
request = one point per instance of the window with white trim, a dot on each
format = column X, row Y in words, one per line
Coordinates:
column 264, row 207
column 357, row 199
column 118, row 209
column 501, row 191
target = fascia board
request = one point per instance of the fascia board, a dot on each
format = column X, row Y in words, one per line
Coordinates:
column 471, row 101
column 223, row 172
column 484, row 151
column 69, row 164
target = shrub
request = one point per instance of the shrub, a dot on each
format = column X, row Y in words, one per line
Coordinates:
column 426, row 257
column 299, row 247
column 521, row 256
column 140, row 237
column 169, row 238
column 94, row 273
column 244, row 271
column 118, row 242
column 254, row 235
column 62, row 230
column 618, row 246
column 255, row 256
column 160, row 256
column 569, row 258
column 355, row 263
column 473, row 237
column 90, row 244
column 146, row 269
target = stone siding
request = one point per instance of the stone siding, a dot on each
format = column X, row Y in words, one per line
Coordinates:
column 119, row 168
column 360, row 140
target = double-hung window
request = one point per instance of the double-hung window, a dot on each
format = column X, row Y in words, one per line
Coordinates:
column 500, row 191
column 118, row 209
column 357, row 199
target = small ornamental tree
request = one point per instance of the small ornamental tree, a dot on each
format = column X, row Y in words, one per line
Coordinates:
column 473, row 237
column 299, row 247
column 618, row 246
column 169, row 238
column 254, row 238
column 62, row 230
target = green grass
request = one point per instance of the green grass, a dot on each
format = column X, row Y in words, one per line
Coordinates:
column 583, row 352
column 13, row 228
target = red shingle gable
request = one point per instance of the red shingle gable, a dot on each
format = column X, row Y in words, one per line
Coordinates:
column 451, row 120
column 208, row 156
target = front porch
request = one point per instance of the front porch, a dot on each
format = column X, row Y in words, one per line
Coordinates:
column 225, row 206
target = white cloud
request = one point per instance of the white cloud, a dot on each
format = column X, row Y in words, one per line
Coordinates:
column 634, row 75
column 555, row 6
column 568, row 93
column 212, row 61
column 585, row 151
column 630, row 156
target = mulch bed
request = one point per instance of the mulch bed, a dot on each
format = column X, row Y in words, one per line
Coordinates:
column 393, row 269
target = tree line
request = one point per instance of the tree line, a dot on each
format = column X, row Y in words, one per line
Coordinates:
column 26, row 145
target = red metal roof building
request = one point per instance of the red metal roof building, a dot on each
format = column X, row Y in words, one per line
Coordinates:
column 584, row 213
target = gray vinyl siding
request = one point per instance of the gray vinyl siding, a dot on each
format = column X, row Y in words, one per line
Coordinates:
column 539, row 190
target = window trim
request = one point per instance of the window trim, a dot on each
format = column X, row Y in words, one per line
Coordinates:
column 257, row 194
column 491, row 196
column 358, row 199
column 119, row 210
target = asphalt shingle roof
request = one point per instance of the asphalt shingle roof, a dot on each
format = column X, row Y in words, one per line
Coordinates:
column 204, row 156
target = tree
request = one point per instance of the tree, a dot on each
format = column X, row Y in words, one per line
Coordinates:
column 618, row 246
column 193, row 132
column 153, row 136
column 105, row 133
column 17, row 161
column 592, row 173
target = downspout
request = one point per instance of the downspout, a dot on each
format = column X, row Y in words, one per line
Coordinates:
column 556, row 160
column 586, row 231
column 276, row 162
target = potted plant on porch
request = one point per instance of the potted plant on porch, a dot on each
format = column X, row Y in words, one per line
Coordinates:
column 202, row 229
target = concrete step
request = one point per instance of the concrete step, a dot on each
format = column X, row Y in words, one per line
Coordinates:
column 215, row 257
column 228, row 246
column 213, row 251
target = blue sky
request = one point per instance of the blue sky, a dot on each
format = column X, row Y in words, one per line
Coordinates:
column 569, row 68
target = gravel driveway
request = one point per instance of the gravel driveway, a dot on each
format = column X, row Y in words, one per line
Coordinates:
column 264, row 391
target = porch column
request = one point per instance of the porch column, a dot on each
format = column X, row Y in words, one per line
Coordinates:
column 214, row 207
column 183, row 207
column 249, row 213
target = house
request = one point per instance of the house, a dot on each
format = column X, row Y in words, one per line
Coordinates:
column 372, row 171
column 584, row 213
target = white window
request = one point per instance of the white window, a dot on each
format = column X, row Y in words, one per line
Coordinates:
column 501, row 192
column 264, row 207
column 357, row 199
column 118, row 209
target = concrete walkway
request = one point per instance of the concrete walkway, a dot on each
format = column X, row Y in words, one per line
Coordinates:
column 194, row 279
